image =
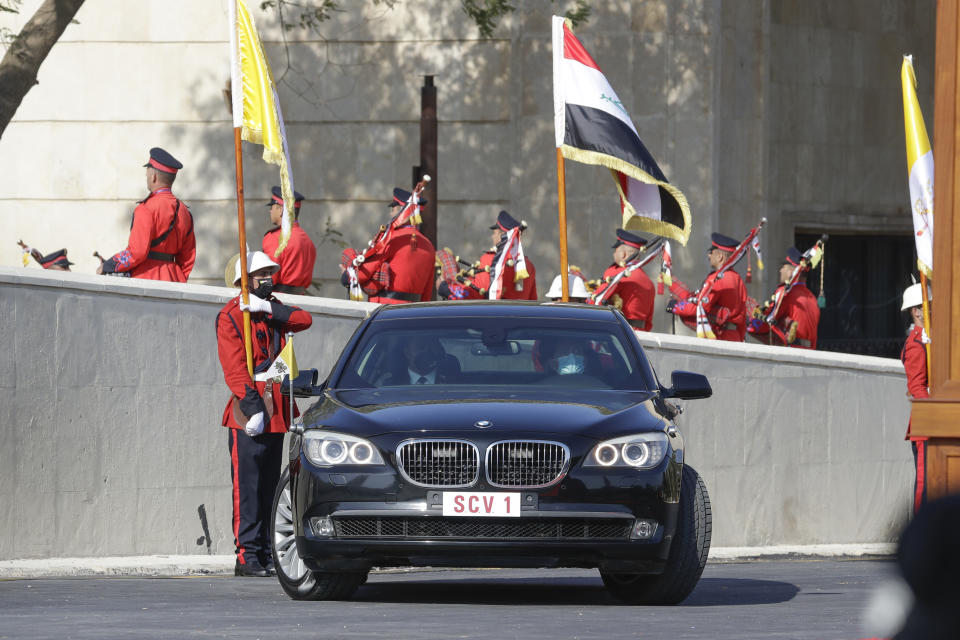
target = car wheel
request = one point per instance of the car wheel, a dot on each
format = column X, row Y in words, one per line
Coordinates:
column 688, row 552
column 295, row 578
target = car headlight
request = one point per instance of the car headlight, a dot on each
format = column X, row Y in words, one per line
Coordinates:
column 640, row 451
column 325, row 448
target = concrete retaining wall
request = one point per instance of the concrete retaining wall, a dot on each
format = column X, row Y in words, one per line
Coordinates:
column 112, row 397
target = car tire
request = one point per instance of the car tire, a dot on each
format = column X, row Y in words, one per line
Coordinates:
column 687, row 557
column 295, row 578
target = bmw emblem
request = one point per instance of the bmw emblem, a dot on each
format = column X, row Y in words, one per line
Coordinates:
column 483, row 424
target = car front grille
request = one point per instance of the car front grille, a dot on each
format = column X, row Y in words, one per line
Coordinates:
column 439, row 463
column 526, row 464
column 485, row 528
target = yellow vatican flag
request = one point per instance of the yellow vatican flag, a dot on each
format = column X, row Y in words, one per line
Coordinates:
column 920, row 168
column 256, row 107
column 284, row 365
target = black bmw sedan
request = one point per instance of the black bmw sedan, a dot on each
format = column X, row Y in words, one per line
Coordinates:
column 493, row 434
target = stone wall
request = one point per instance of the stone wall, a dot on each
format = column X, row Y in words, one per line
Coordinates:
column 113, row 396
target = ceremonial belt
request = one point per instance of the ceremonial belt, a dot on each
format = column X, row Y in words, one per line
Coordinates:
column 399, row 295
column 801, row 342
column 162, row 257
column 288, row 288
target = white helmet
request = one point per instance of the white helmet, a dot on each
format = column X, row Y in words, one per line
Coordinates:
column 912, row 296
column 577, row 288
column 256, row 260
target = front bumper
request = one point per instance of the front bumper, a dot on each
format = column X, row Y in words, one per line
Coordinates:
column 585, row 521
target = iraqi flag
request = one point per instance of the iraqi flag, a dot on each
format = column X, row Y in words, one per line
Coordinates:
column 593, row 127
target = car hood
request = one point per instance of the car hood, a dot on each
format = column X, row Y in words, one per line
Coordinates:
column 592, row 413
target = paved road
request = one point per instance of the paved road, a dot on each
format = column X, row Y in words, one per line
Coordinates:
column 819, row 600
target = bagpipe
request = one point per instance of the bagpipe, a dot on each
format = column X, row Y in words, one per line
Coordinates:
column 351, row 259
column 677, row 288
column 125, row 274
column 458, row 273
column 605, row 287
column 809, row 260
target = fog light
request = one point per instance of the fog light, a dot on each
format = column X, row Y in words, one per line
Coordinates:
column 643, row 529
column 322, row 526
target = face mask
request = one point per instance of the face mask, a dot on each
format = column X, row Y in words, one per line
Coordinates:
column 569, row 364
column 264, row 289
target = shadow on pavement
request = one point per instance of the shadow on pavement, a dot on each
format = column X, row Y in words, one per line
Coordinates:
column 739, row 591
column 561, row 591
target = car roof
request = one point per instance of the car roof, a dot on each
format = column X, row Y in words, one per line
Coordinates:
column 498, row 308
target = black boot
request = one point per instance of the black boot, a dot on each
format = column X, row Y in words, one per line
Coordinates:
column 252, row 568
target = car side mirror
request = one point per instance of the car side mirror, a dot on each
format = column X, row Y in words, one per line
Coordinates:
column 304, row 385
column 687, row 386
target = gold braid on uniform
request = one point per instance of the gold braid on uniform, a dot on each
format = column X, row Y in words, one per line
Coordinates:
column 791, row 336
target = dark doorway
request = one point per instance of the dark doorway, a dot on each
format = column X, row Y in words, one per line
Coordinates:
column 863, row 282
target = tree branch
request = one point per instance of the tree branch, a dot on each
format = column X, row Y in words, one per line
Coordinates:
column 19, row 67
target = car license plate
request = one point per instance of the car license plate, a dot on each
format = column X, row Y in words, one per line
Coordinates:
column 472, row 503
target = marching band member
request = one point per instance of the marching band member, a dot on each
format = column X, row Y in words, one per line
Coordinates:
column 162, row 245
column 300, row 254
column 399, row 268
column 725, row 303
column 797, row 316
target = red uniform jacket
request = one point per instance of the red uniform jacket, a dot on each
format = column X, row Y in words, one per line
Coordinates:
column 509, row 291
column 162, row 245
column 267, row 336
column 296, row 261
column 404, row 269
column 637, row 293
column 725, row 305
column 800, row 306
column 914, row 357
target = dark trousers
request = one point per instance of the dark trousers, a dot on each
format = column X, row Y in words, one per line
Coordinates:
column 255, row 472
column 920, row 481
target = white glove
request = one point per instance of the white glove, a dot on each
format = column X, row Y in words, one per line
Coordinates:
column 257, row 305
column 255, row 423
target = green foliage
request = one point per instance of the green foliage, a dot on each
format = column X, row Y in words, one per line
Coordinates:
column 487, row 16
column 310, row 14
column 332, row 235
column 9, row 6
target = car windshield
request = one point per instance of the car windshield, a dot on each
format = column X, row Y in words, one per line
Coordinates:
column 491, row 351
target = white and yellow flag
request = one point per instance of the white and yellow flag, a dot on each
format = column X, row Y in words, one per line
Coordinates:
column 920, row 167
column 256, row 107
column 284, row 365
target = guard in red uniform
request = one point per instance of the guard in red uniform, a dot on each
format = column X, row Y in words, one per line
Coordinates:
column 503, row 258
column 634, row 294
column 914, row 357
column 297, row 259
column 403, row 271
column 161, row 245
column 256, row 414
column 797, row 317
column 726, row 302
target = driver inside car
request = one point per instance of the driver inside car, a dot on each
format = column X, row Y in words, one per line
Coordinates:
column 426, row 363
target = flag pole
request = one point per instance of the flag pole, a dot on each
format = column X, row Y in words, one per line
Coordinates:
column 926, row 317
column 242, row 228
column 290, row 383
column 562, row 192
